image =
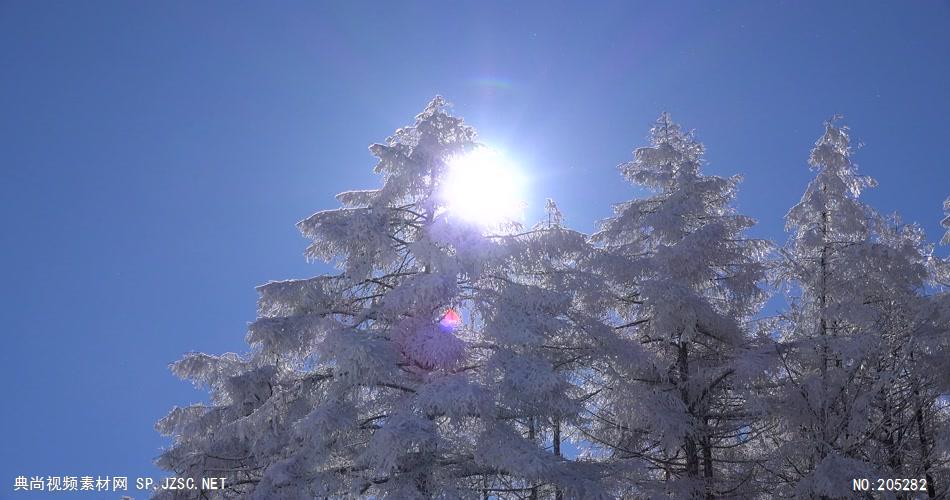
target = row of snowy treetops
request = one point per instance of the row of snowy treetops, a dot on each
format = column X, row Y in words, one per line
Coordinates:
column 447, row 361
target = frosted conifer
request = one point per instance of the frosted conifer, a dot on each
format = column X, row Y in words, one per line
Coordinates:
column 412, row 373
column 685, row 279
column 852, row 380
column 946, row 222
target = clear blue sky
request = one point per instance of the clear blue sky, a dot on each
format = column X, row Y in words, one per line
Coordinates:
column 156, row 156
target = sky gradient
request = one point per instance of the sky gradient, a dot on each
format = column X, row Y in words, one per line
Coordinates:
column 155, row 156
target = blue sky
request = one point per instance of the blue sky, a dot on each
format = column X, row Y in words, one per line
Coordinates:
column 156, row 156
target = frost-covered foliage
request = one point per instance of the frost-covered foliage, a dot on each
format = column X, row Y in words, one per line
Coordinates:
column 685, row 279
column 354, row 388
column 855, row 395
column 942, row 266
column 946, row 222
column 446, row 359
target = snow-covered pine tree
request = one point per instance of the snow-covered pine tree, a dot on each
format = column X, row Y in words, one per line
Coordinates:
column 415, row 372
column 685, row 281
column 942, row 266
column 826, row 347
column 848, row 381
column 904, row 417
column 946, row 222
column 544, row 358
column 928, row 378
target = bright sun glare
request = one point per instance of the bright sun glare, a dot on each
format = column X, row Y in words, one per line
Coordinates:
column 483, row 187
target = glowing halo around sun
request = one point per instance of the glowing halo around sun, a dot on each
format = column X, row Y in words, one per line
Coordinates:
column 483, row 187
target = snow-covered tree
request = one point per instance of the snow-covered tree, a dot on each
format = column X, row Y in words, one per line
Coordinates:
column 946, row 221
column 854, row 398
column 423, row 369
column 685, row 281
column 452, row 359
column 827, row 342
column 904, row 413
column 941, row 269
column 928, row 375
column 551, row 349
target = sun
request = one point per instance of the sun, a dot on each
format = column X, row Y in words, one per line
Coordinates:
column 483, row 187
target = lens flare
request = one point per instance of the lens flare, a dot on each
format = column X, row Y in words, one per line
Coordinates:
column 450, row 321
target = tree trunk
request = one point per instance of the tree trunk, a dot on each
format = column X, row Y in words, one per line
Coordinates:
column 707, row 460
column 924, row 443
column 689, row 445
column 531, row 433
column 558, row 494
